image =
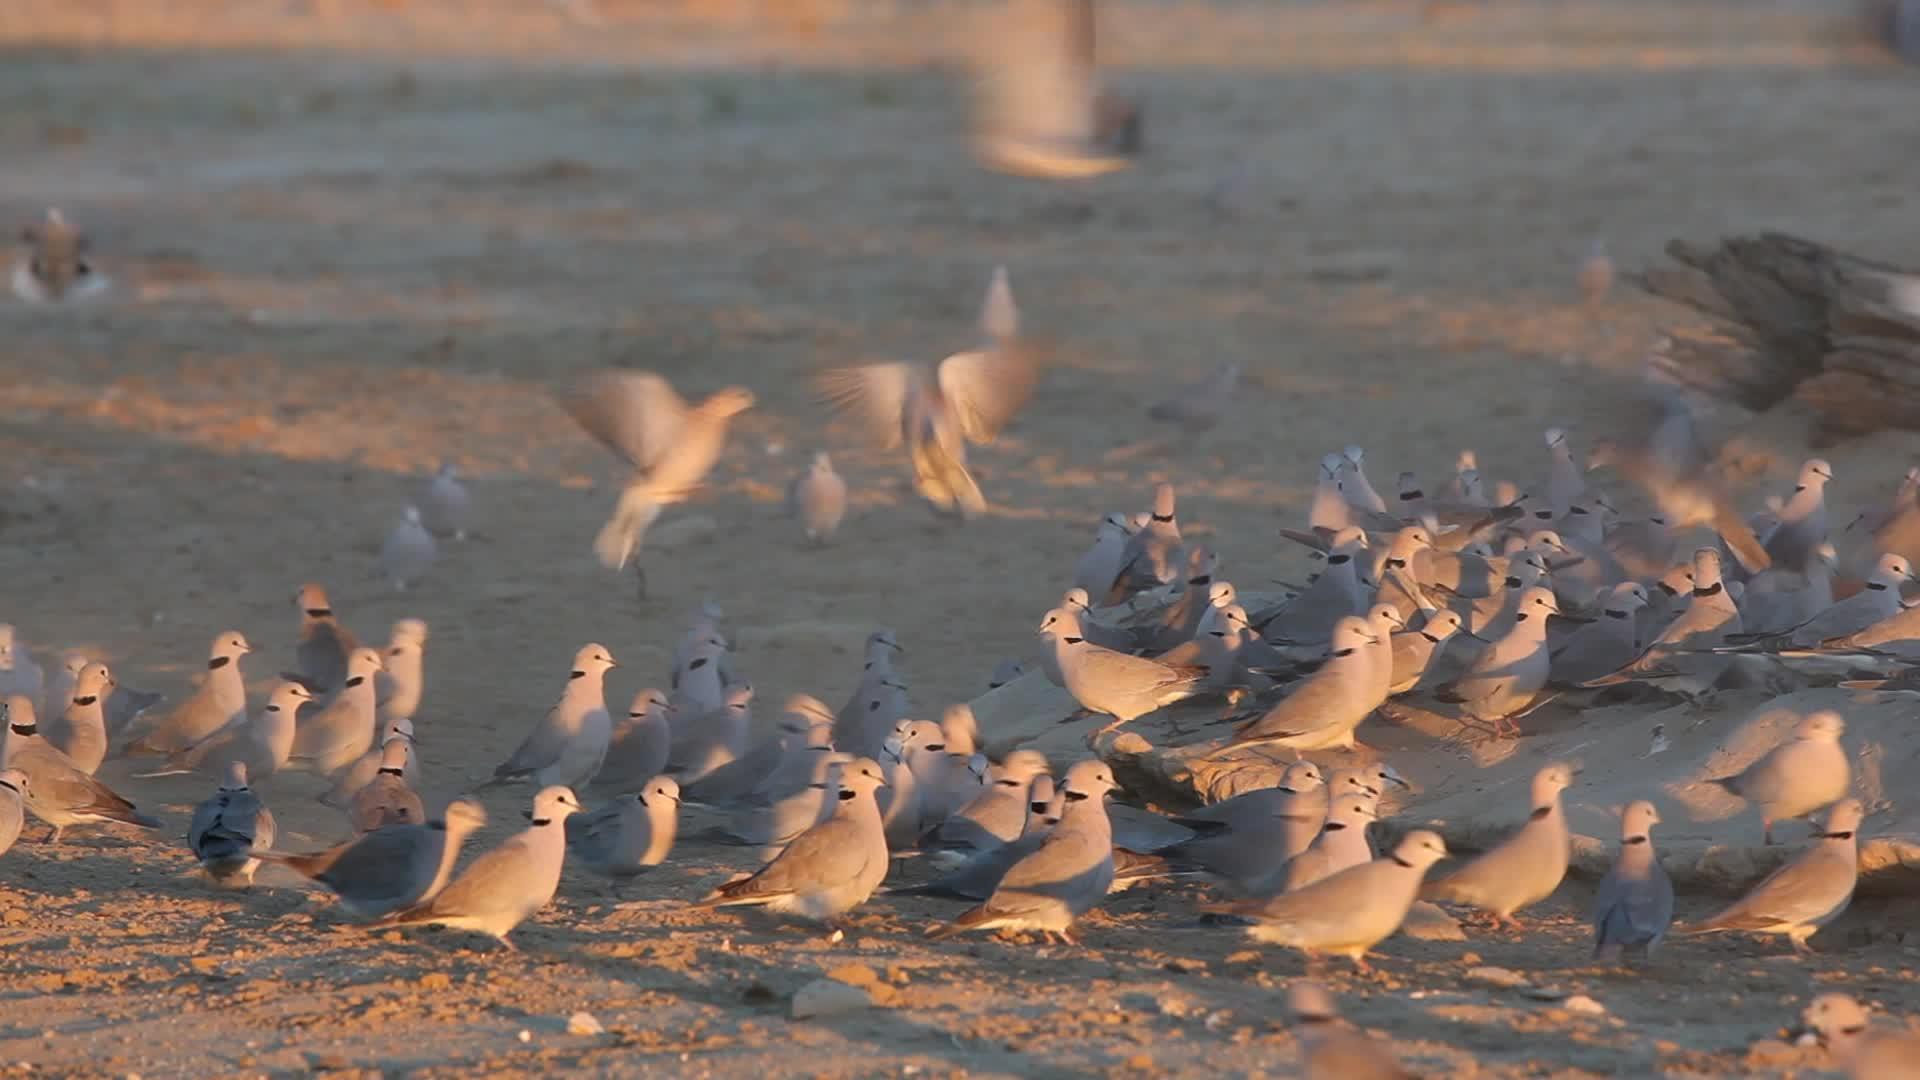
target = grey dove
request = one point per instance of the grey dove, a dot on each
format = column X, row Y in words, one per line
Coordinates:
column 1878, row 600
column 1355, row 486
column 1104, row 681
column 1802, row 522
column 717, row 738
column 773, row 823
column 1328, row 511
column 81, row 729
column 630, row 834
column 505, row 886
column 819, row 499
column 1633, row 904
column 1778, row 599
column 997, row 814
column 122, row 704
column 1337, row 593
column 387, row 799
column 1330, row 1050
column 1005, row 672
column 348, row 781
column 408, row 551
column 1342, row 843
column 446, row 507
column 877, row 703
column 1116, row 638
column 638, row 748
column 568, row 744
column 1605, row 645
column 1181, row 619
column 1299, row 792
column 228, row 828
column 261, row 743
column 1415, row 650
column 1523, row 869
column 827, row 870
column 1807, row 892
column 671, row 446
column 1322, row 710
column 966, row 398
column 1797, row 777
column 980, row 874
column 13, row 807
column 321, row 651
column 1507, row 678
column 221, row 699
column 390, row 869
column 59, row 792
column 1566, row 481
column 1099, row 566
column 806, row 734
column 1681, row 658
column 1150, row 558
column 332, row 736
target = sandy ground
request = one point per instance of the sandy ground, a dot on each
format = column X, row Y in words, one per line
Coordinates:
column 355, row 240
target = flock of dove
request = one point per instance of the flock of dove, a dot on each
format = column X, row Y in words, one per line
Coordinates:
column 1480, row 596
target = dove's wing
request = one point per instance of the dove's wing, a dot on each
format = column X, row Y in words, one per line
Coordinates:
column 873, row 394
column 635, row 414
column 984, row 389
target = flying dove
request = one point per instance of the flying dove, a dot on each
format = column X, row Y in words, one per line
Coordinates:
column 1342, row 843
column 670, row 445
column 387, row 799
column 1104, row 681
column 446, row 508
column 1507, row 678
column 1680, row 658
column 1350, row 912
column 320, row 654
column 1802, row 522
column 639, row 746
column 1038, row 109
column 80, row 732
column 977, row 877
column 54, row 267
column 968, row 397
column 1845, row 1030
column 1201, row 407
column 402, row 678
column 13, row 807
column 333, row 735
column 408, row 551
column 1523, row 869
column 262, row 744
column 1806, row 893
column 1099, row 566
column 1329, row 1049
column 228, row 828
column 629, row 834
column 830, row 868
column 1633, row 904
column 220, row 700
column 390, row 869
column 1062, row 879
column 504, row 887
column 569, row 743
column 997, row 814
column 818, row 498
column 1322, row 710
column 1797, row 777
column 59, row 792
column 1605, row 645
column 1149, row 560
column 1686, row 494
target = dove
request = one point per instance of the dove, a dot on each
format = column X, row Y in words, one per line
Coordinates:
column 966, row 398
column 630, row 834
column 348, row 781
column 1507, row 678
column 402, row 678
column 1414, row 651
column 699, row 689
column 638, row 748
column 997, row 814
column 878, row 702
column 1605, row 645
column 899, row 797
column 1684, row 492
column 1807, row 892
column 1005, row 672
column 1797, row 777
column 1201, row 407
column 818, row 498
column 776, row 766
column 1633, row 904
column 1150, row 557
column 1099, row 566
column 569, row 743
column 977, row 877
column 220, row 700
column 1348, row 913
column 1037, row 109
column 1680, row 658
column 1265, row 829
column 1064, row 877
column 261, row 744
column 1328, row 512
column 1844, row 1029
column 504, row 887
column 1330, row 1050
column 1180, row 621
column 832, row 867
column 1104, row 681
column 1299, row 794
column 446, row 508
column 228, row 828
column 1466, row 486
column 391, row 869
column 716, row 739
column 1106, row 637
column 409, row 550
column 81, row 730
column 387, row 799
column 320, row 654
column 333, row 735
column 13, row 807
column 773, row 822
column 58, row 792
column 1342, row 843
column 670, row 445
column 55, row 268
column 1322, row 710
column 1384, row 621
column 120, row 704
column 1310, row 617
column 1877, row 600
column 1803, row 517
column 961, row 729
column 1355, row 486
column 1778, row 599
column 1565, row 482
column 947, row 781
column 1523, row 869
column 19, row 674
column 703, row 633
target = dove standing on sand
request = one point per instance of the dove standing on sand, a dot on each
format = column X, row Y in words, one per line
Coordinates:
column 1322, row 710
column 638, row 748
column 968, row 397
column 504, row 887
column 629, row 834
column 818, row 498
column 1508, row 677
column 228, row 828
column 1523, row 869
column 1038, row 108
column 1104, row 681
column 1605, row 645
column 1802, row 522
column 320, row 654
column 1633, row 904
column 1797, row 777
column 997, row 814
column 1414, row 651
column 121, row 704
column 774, row 820
column 829, row 869
column 716, row 739
column 1119, row 639
column 331, row 737
column 1329, row 1050
column 390, row 869
column 402, row 679
column 220, row 700
column 1681, row 659
column 1350, row 912
column 81, row 730
column 262, row 743
column 1201, row 407
column 58, row 792
column 980, row 873
column 1328, row 512
column 1805, row 894
column 55, row 268
column 866, row 720
column 13, row 807
column 1342, row 843
column 1150, row 558
column 1065, row 877
column 1878, row 600
column 387, row 799
column 409, row 550
column 670, row 445
column 446, row 509
column 1310, row 617
column 570, row 742
column 348, row 781
column 19, row 674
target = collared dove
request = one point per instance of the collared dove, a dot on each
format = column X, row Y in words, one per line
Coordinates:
column 1507, row 678
column 805, row 733
column 408, row 551
column 569, row 743
column 1779, row 599
column 1414, row 651
column 1878, row 600
column 670, row 445
column 320, row 654
column 702, row 631
column 348, row 781
column 1797, row 777
column 55, row 267
column 1633, row 904
column 629, row 834
column 1605, row 645
column 1803, row 517
column 1565, row 482
column 1151, row 554
column 1099, row 566
column 996, row 815
column 446, row 507
column 333, row 735
column 818, row 498
column 878, row 702
column 13, row 806
column 966, row 398
column 1342, row 843
column 504, row 887
column 80, row 732
column 899, row 797
column 220, row 700
column 122, row 704
column 716, row 739
column 1466, row 486
column 1116, row 638
column 1064, row 877
column 1845, row 1030
column 1038, row 108
column 59, row 792
column 402, row 680
column 1182, row 618
column 1299, row 794
column 387, row 799
column 390, row 869
column 1348, row 913
column 638, row 748
column 1523, row 869
column 1005, row 672
column 1323, row 710
column 1354, row 485
column 228, row 828
column 977, row 877
column 699, row 687
column 1329, row 512
column 962, row 730
column 1329, row 1050
column 1806, row 893
column 1685, row 492
column 1337, row 593
column 262, row 743
column 1104, row 681
column 1681, row 657
column 1200, row 407
column 830, row 868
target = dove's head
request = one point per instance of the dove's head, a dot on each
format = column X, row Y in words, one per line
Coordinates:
column 1408, row 487
column 93, row 681
column 1837, row 1019
column 411, row 515
column 73, row 663
column 1468, row 461
column 553, row 805
column 1090, row 779
column 312, row 601
column 1350, row 633
column 1814, row 474
column 287, row 696
column 1411, row 539
column 1442, row 625
column 1625, row 599
column 22, row 719
column 822, row 462
column 1077, row 599
column 1385, row 619
column 1354, row 456
column 398, row 728
column 882, row 641
column 14, row 780
column 1824, row 725
column 1893, row 570
column 1354, row 810
column 1706, row 571
column 1844, row 819
column 1330, row 467
column 1062, row 623
column 1115, row 522
column 411, row 633
column 1550, row 781
column 1637, row 820
column 1536, row 602
column 1163, row 501
column 1546, row 540
column 592, row 659
column 57, row 259
column 227, row 648
column 1556, row 438
column 1355, row 780
column 915, row 735
column 1310, row 1004
column 1420, row 849
column 860, row 776
column 1221, row 593
column 728, row 401
column 464, row 815
column 648, row 701
column 1236, row 616
column 1302, row 776
column 1471, row 488
column 362, row 663
column 1020, row 767
column 739, row 696
column 661, row 791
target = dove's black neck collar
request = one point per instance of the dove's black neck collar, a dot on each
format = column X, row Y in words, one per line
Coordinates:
column 542, row 822
column 1163, row 520
column 319, row 613
column 1202, row 581
column 1711, row 590
column 219, row 662
column 1006, row 782
column 1429, row 637
column 1336, row 560
column 1877, row 586
column 1615, row 614
column 1073, row 640
column 1343, row 652
column 1540, row 812
column 1398, row 861
column 439, row 825
column 1519, row 616
column 1074, row 796
column 1668, row 589
column 9, row 787
column 1397, row 564
column 356, row 680
column 572, row 675
column 1412, row 496
column 1333, row 826
column 845, row 795
column 393, row 772
column 24, row 729
column 1629, row 841
column 87, row 700
column 1514, row 582
column 1848, row 835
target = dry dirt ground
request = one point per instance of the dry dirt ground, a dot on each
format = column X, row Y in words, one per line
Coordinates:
column 355, row 239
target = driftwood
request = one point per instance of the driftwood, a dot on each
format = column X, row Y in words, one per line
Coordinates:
column 1794, row 319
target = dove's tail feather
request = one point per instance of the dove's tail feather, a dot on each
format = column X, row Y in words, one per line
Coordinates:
column 621, row 536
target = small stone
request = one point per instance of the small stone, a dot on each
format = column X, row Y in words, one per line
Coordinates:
column 1582, row 1005
column 898, row 976
column 1244, row 956
column 1131, row 744
column 1545, row 993
column 1503, row 978
column 524, row 1036
column 583, row 1023
column 436, row 980
column 828, row 997
column 1427, row 922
